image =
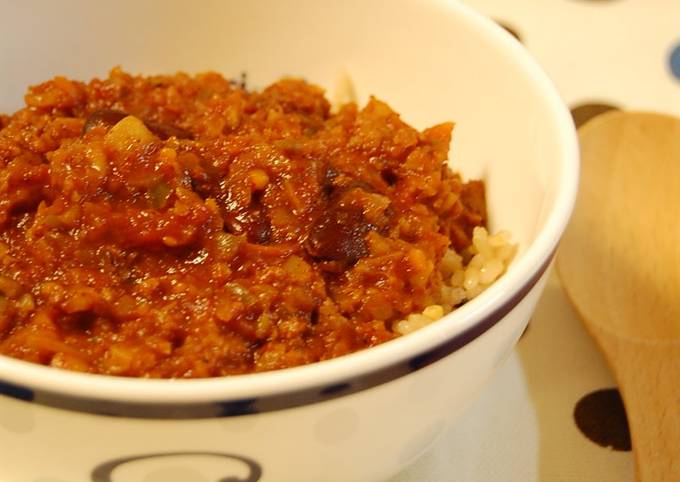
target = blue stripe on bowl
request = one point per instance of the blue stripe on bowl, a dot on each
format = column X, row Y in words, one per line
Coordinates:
column 15, row 391
column 230, row 408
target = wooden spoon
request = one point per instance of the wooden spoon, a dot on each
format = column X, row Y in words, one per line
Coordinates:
column 619, row 262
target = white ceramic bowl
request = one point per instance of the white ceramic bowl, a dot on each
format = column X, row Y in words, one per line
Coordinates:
column 362, row 417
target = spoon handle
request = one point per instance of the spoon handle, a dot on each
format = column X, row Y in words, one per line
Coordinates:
column 648, row 374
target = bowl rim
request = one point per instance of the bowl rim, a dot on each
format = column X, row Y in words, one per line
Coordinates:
column 529, row 266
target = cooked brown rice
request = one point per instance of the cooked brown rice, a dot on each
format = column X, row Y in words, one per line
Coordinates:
column 489, row 257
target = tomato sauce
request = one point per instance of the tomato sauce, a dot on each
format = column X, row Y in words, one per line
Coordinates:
column 184, row 226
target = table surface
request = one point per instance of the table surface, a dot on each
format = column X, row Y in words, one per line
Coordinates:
column 600, row 54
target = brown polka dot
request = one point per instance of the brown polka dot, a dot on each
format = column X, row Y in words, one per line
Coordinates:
column 511, row 30
column 582, row 113
column 601, row 417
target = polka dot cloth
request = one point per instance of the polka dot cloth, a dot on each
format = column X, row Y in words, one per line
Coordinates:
column 553, row 412
column 601, row 417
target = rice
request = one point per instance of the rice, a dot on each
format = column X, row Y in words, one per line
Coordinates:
column 489, row 257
